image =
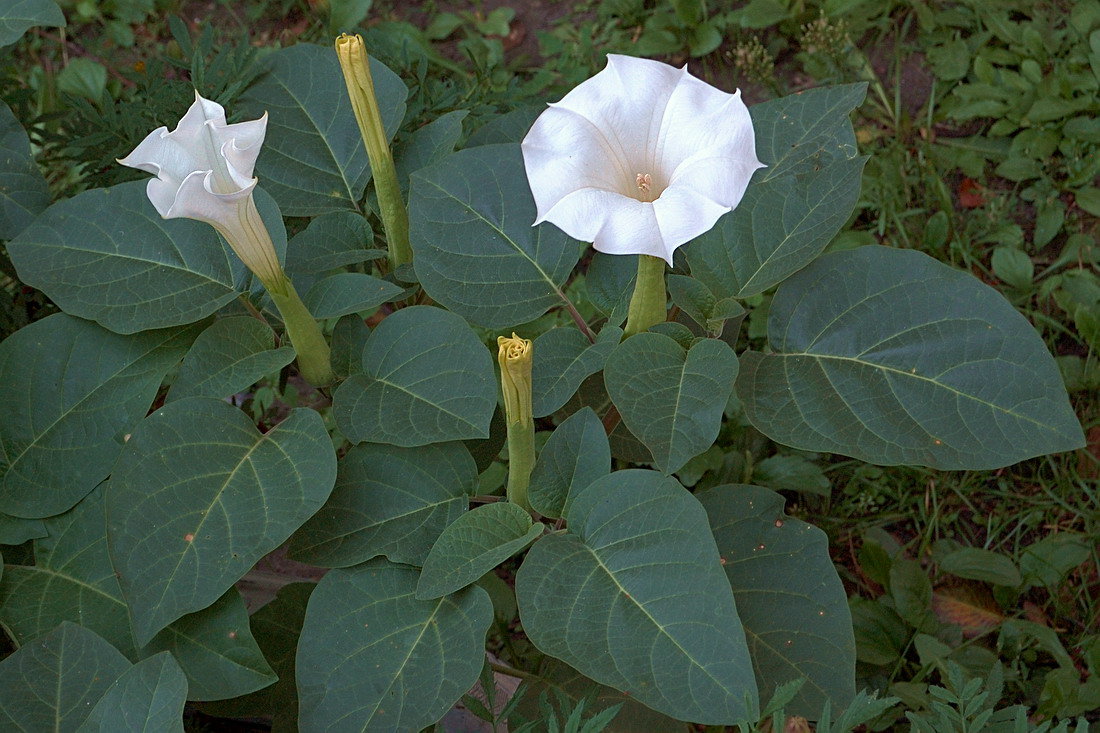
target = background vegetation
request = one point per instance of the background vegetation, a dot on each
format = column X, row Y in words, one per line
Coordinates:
column 975, row 595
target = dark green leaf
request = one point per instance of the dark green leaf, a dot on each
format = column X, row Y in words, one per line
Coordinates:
column 51, row 686
column 974, row 563
column 892, row 357
column 791, row 473
column 633, row 595
column 72, row 392
column 563, row 358
column 374, row 658
column 510, row 127
column 476, row 251
column 349, row 336
column 610, row 284
column 199, row 495
column 313, row 160
column 427, row 145
column 231, row 355
column 474, row 544
column 388, row 501
column 789, row 596
column 16, row 531
column 911, row 591
column 332, row 241
column 670, row 398
column 147, row 697
column 427, row 379
column 19, row 15
column 107, row 255
column 576, row 454
column 1047, row 561
column 23, row 191
column 347, row 293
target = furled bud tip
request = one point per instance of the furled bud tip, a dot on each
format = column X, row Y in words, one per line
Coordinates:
column 514, row 357
column 355, row 65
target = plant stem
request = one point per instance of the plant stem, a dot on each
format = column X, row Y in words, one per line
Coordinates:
column 647, row 305
column 521, row 460
column 314, row 359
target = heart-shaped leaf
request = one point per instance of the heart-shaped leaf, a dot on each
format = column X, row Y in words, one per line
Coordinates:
column 313, row 160
column 52, row 685
column 634, row 596
column 374, row 658
column 107, row 255
column 794, row 207
column 428, row 144
column 331, row 241
column 474, row 544
column 576, row 454
column 789, row 597
column 348, row 292
column 388, row 501
column 892, row 357
column 149, row 696
column 199, row 495
column 563, row 358
column 63, row 427
column 23, row 191
column 671, row 399
column 229, row 356
column 427, row 379
column 73, row 580
column 476, row 252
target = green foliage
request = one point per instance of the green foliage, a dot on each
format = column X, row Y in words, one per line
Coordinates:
column 158, row 441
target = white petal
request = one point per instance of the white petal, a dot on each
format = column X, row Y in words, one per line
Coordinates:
column 626, row 101
column 195, row 200
column 682, row 215
column 564, row 152
column 243, row 141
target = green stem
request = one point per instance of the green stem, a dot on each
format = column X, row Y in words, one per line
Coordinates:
column 647, row 305
column 314, row 360
column 521, row 460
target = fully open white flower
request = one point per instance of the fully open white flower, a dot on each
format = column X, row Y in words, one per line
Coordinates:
column 641, row 158
column 203, row 171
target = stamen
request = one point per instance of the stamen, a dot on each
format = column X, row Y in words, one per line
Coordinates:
column 644, row 181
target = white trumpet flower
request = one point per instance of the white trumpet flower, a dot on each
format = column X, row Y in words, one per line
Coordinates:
column 203, row 171
column 640, row 158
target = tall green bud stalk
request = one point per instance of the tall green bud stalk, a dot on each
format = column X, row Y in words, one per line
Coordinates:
column 355, row 64
column 514, row 356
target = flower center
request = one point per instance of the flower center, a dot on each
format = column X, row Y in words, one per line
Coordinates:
column 644, row 182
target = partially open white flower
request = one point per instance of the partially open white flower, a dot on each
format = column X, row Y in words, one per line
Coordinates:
column 641, row 158
column 203, row 171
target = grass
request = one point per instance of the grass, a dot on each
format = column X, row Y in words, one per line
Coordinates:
column 998, row 185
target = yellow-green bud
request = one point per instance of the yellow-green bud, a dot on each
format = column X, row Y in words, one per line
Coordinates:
column 514, row 356
column 355, row 64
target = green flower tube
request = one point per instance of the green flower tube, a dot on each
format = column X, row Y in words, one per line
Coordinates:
column 514, row 356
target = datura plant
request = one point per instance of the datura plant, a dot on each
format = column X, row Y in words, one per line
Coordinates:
column 135, row 492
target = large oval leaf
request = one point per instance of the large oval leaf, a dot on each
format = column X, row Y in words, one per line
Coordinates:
column 427, row 379
column 51, row 686
column 789, row 597
column 563, row 358
column 797, row 204
column 388, row 501
column 19, row 15
column 313, row 159
column 147, row 697
column 73, row 580
column 634, row 596
column 475, row 249
column 474, row 544
column 23, row 190
column 671, row 398
column 894, row 358
column 229, row 356
column 107, row 255
column 199, row 495
column 576, row 454
column 69, row 392
column 373, row 658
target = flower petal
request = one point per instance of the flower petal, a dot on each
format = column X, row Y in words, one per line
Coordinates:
column 565, row 152
column 195, row 200
column 683, row 214
column 614, row 223
column 626, row 101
